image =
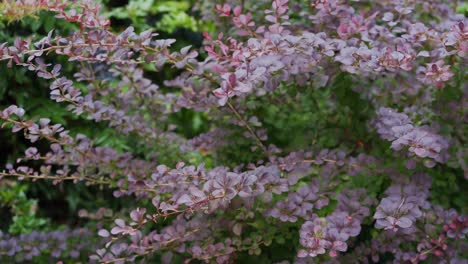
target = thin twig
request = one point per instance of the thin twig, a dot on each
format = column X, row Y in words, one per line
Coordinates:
column 238, row 115
column 60, row 178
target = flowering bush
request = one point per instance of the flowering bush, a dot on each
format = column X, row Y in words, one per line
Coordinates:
column 320, row 132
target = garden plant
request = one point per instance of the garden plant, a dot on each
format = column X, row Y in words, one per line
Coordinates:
column 212, row 131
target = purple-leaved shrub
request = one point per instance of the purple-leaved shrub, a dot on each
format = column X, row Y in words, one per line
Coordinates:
column 399, row 56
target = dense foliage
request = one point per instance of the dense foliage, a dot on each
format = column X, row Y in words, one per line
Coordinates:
column 319, row 131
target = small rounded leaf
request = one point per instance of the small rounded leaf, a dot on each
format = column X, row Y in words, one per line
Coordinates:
column 103, row 233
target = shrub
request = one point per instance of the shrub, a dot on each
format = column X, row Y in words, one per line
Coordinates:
column 310, row 131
